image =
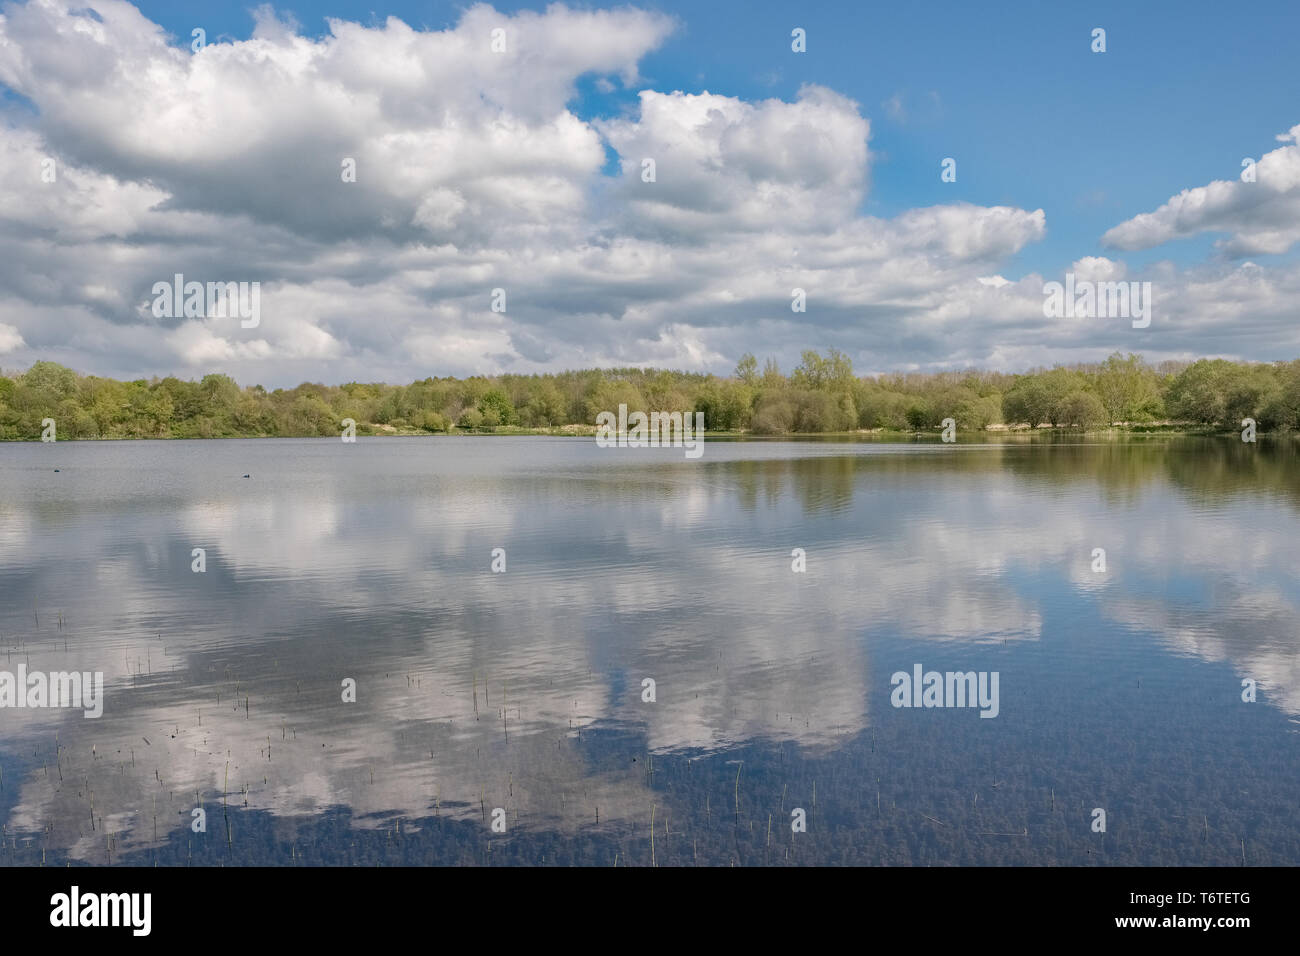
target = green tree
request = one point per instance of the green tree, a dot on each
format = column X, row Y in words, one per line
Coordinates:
column 918, row 416
column 772, row 377
column 545, row 405
column 1126, row 388
column 52, row 378
column 1082, row 409
column 608, row 394
column 496, row 408
column 1199, row 392
column 773, row 415
column 156, row 416
column 978, row 413
column 747, row 369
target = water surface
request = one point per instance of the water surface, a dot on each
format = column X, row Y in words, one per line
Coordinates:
column 523, row 690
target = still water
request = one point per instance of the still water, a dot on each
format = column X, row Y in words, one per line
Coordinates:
column 520, row 697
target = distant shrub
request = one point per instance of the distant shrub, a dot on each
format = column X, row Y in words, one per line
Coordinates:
column 1082, row 409
column 435, row 422
column 774, row 415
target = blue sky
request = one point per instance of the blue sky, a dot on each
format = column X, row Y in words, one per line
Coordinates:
column 819, row 170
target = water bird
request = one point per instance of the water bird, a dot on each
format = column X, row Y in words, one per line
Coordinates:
column 246, row 476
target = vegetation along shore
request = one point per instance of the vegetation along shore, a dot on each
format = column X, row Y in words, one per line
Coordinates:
column 822, row 395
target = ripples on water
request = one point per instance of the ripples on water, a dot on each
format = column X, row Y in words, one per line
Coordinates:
column 523, row 690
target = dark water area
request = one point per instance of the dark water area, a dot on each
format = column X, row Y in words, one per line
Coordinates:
column 523, row 691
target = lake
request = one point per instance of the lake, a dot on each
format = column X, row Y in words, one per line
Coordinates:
column 653, row 674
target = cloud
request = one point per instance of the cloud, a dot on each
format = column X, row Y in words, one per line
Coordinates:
column 1260, row 217
column 475, row 172
column 1098, row 269
column 472, row 173
column 723, row 165
column 9, row 338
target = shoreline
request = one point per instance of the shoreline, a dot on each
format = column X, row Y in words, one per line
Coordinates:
column 589, row 431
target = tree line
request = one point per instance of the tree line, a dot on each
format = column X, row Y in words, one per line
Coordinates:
column 821, row 394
